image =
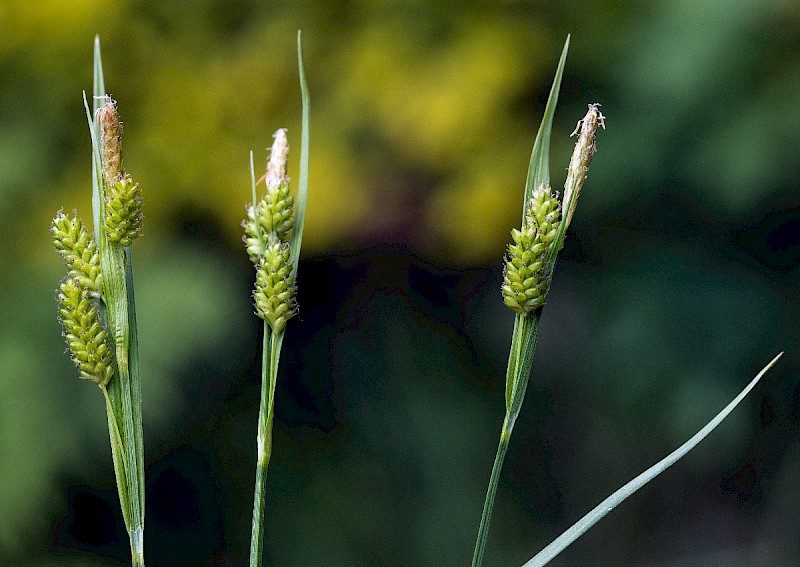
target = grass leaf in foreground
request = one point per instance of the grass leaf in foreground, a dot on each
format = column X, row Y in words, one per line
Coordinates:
column 590, row 519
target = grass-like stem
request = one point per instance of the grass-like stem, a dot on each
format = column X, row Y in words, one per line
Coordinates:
column 123, row 394
column 266, row 413
column 488, row 505
column 273, row 341
column 526, row 326
column 520, row 359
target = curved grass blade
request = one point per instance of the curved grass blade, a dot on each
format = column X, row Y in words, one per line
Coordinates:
column 99, row 90
column 539, row 168
column 302, row 187
column 590, row 519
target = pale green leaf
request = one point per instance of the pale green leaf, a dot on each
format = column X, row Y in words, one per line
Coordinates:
column 590, row 519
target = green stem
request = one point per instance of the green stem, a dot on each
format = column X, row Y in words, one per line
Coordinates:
column 266, row 413
column 136, row 536
column 520, row 359
column 118, row 458
column 488, row 505
column 136, row 397
column 523, row 349
column 123, row 394
column 526, row 327
column 122, row 472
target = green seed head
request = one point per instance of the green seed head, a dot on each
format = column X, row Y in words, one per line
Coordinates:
column 275, row 211
column 252, row 235
column 273, row 215
column 77, row 248
column 275, row 291
column 525, row 283
column 86, row 338
column 123, row 211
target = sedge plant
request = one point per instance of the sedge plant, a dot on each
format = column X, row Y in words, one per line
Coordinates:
column 528, row 271
column 98, row 315
column 96, row 301
column 529, row 267
column 273, row 234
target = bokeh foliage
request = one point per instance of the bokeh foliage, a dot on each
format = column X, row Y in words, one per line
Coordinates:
column 678, row 280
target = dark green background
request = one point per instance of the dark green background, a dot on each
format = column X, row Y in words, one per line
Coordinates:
column 677, row 283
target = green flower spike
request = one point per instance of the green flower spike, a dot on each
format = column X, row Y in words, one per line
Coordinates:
column 275, row 290
column 274, row 213
column 85, row 336
column 253, row 240
column 524, row 282
column 123, row 211
column 268, row 222
column 276, row 210
column 78, row 250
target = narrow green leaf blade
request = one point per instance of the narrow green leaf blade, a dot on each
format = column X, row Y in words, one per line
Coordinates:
column 98, row 92
column 118, row 457
column 253, row 181
column 513, row 360
column 524, row 338
column 526, row 343
column 590, row 519
column 302, row 188
column 99, row 87
column 136, row 389
column 539, row 168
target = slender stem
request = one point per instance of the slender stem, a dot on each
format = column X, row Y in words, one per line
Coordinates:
column 123, row 394
column 526, row 327
column 118, row 458
column 136, row 536
column 133, row 521
column 264, row 442
column 520, row 359
column 525, row 348
column 135, row 383
column 488, row 505
column 266, row 414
